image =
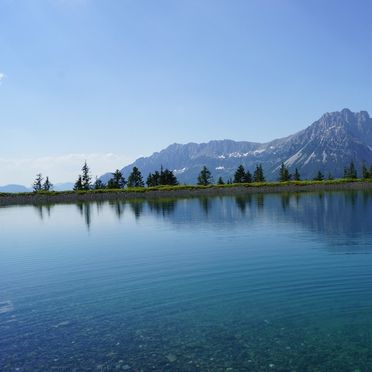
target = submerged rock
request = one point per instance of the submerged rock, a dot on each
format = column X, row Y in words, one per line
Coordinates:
column 171, row 357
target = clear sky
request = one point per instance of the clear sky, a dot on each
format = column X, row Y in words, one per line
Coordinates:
column 109, row 81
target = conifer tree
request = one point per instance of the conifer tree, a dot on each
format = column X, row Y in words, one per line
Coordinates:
column 117, row 181
column 205, row 178
column 135, row 178
column 365, row 172
column 296, row 175
column 247, row 177
column 350, row 171
column 319, row 176
column 78, row 184
column 220, row 181
column 353, row 171
column 239, row 174
column 150, row 182
column 86, row 177
column 153, row 179
column 38, row 183
column 258, row 175
column 47, row 185
column 284, row 175
column 98, row 184
column 162, row 176
column 167, row 177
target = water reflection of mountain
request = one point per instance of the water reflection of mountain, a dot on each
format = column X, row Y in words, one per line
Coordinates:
column 335, row 214
column 338, row 216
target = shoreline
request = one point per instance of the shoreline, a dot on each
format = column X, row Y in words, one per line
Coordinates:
column 181, row 192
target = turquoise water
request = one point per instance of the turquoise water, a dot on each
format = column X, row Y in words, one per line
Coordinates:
column 256, row 283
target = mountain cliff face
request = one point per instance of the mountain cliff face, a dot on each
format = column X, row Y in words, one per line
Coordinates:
column 327, row 145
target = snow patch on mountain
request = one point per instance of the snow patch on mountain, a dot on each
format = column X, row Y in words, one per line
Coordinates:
column 293, row 159
column 257, row 152
column 308, row 160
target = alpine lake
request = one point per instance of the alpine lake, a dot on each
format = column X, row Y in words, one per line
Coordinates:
column 264, row 282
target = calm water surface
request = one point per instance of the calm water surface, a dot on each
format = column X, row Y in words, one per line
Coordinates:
column 257, row 283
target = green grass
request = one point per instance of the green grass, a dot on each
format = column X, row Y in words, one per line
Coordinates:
column 141, row 190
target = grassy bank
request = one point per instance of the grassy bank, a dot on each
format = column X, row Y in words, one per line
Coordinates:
column 183, row 191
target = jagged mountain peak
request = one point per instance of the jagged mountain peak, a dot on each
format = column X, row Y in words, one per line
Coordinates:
column 343, row 124
column 344, row 117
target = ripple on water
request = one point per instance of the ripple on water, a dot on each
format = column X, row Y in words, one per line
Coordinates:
column 259, row 288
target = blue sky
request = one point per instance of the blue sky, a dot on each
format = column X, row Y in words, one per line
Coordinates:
column 109, row 81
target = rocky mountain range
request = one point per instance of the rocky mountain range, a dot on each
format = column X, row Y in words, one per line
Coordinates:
column 14, row 188
column 328, row 145
column 20, row 188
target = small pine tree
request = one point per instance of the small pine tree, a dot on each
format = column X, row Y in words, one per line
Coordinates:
column 205, row 178
column 263, row 179
column 258, row 175
column 162, row 176
column 284, row 175
column 47, row 185
column 296, row 175
column 239, row 174
column 319, row 176
column 98, row 184
column 247, row 177
column 153, row 179
column 86, row 177
column 38, row 183
column 220, row 181
column 167, row 177
column 353, row 171
column 350, row 171
column 135, row 178
column 117, row 181
column 365, row 172
column 330, row 177
column 78, row 184
column 150, row 182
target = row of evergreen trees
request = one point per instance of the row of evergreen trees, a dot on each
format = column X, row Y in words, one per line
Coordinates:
column 241, row 176
column 117, row 181
column 244, row 176
column 351, row 172
column 167, row 177
column 164, row 177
